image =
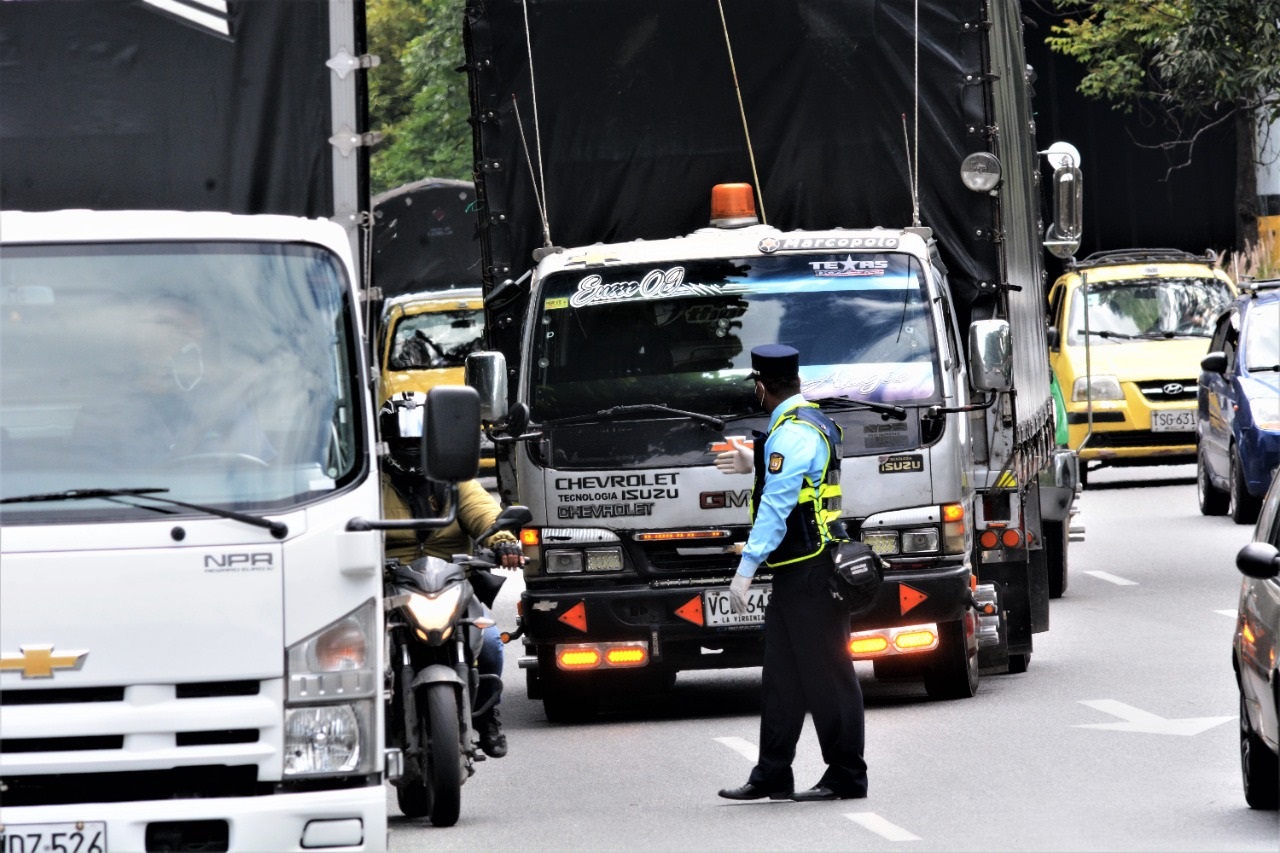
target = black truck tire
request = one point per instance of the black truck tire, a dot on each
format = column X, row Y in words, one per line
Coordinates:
column 953, row 672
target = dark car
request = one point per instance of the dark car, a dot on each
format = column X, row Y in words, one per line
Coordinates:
column 1254, row 658
column 1238, row 406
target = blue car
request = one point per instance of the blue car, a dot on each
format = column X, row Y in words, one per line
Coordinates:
column 1238, row 406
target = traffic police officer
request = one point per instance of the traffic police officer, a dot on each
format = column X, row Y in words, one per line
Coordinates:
column 807, row 668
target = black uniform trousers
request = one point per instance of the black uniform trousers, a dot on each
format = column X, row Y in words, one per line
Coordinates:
column 807, row 668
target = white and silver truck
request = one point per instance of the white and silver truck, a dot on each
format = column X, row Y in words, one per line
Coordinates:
column 191, row 648
column 877, row 206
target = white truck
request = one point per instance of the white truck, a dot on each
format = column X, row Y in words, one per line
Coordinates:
column 893, row 152
column 191, row 647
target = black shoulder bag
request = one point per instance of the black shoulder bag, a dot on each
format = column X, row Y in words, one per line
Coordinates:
column 857, row 576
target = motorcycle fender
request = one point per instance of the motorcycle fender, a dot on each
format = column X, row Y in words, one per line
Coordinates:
column 436, row 673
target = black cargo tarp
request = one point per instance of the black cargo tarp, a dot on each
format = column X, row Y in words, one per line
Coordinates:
column 424, row 237
column 637, row 117
column 111, row 104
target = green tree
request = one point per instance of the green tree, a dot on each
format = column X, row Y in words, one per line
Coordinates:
column 1199, row 63
column 417, row 97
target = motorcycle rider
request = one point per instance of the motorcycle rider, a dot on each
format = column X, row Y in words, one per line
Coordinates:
column 407, row 493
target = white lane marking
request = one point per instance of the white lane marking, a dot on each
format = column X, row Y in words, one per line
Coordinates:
column 1110, row 578
column 1137, row 720
column 1232, row 613
column 745, row 748
column 881, row 827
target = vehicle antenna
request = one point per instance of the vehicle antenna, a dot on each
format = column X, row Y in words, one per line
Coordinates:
column 913, row 158
column 540, row 181
column 755, row 177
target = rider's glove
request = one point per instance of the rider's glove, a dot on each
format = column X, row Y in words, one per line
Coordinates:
column 507, row 548
column 739, row 460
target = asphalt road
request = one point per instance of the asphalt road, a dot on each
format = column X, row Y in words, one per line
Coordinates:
column 1121, row 736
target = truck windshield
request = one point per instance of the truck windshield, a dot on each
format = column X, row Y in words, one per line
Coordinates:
column 1144, row 309
column 221, row 372
column 681, row 333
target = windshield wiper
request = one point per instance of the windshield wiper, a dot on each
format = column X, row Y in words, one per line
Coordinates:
column 1265, row 368
column 614, row 411
column 278, row 528
column 848, row 404
column 1125, row 335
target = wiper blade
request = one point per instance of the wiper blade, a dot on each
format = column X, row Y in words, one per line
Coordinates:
column 278, row 528
column 614, row 411
column 1104, row 334
column 848, row 404
column 1265, row 368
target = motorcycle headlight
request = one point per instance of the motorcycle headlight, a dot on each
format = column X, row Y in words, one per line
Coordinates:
column 434, row 614
column 1102, row 387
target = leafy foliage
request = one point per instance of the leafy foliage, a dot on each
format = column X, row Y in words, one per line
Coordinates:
column 417, row 97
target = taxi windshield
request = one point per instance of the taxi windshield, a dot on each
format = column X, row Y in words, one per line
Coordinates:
column 436, row 339
column 1147, row 309
column 681, row 333
column 223, row 373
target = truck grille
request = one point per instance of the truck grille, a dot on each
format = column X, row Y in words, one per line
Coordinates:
column 141, row 742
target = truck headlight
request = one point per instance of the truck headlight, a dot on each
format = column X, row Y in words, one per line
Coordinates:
column 1102, row 387
column 331, row 679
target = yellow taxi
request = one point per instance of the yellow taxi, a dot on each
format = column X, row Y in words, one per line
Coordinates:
column 424, row 340
column 1127, row 330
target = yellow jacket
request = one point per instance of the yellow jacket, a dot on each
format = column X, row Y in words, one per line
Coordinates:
column 476, row 511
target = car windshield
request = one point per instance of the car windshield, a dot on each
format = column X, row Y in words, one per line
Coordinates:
column 681, row 334
column 1262, row 336
column 223, row 373
column 436, row 339
column 1147, row 308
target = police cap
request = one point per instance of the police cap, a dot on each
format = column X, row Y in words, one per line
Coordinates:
column 775, row 360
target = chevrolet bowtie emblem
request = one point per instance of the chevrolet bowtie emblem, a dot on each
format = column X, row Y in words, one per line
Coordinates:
column 40, row 661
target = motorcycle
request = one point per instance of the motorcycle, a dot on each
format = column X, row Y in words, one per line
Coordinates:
column 436, row 618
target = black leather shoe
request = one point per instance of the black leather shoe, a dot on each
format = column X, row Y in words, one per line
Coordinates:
column 822, row 792
column 754, row 792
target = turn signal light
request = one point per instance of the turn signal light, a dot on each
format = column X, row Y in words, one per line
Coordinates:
column 915, row 640
column 627, row 656
column 578, row 658
column 867, row 645
column 529, row 537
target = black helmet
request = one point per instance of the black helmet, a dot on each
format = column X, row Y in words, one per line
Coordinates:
column 400, row 422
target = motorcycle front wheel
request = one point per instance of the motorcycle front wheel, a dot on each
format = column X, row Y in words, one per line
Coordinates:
column 444, row 754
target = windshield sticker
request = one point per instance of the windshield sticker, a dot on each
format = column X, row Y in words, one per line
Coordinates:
column 877, row 382
column 903, row 463
column 884, row 435
column 554, row 303
column 848, row 268
column 656, row 284
column 769, row 245
column 613, row 495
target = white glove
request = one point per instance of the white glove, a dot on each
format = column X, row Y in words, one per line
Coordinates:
column 738, row 593
column 739, row 460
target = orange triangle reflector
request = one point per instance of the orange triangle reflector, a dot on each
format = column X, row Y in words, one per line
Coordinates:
column 576, row 616
column 908, row 597
column 691, row 610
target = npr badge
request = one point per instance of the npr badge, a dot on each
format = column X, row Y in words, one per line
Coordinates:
column 903, row 463
column 775, row 463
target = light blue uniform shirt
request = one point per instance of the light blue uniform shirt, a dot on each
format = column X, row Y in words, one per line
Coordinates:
column 803, row 452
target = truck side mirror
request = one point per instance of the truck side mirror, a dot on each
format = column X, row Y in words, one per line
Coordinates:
column 451, row 433
column 1214, row 362
column 1063, row 237
column 486, row 372
column 990, row 355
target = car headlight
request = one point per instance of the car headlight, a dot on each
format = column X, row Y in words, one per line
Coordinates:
column 331, row 678
column 1266, row 412
column 1099, row 387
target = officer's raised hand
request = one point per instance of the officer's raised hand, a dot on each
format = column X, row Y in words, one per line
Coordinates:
column 738, row 459
column 738, row 593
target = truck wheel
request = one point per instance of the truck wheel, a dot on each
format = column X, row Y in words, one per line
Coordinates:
column 953, row 674
column 444, row 753
column 1056, row 537
column 1213, row 501
column 1243, row 506
column 1260, row 771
